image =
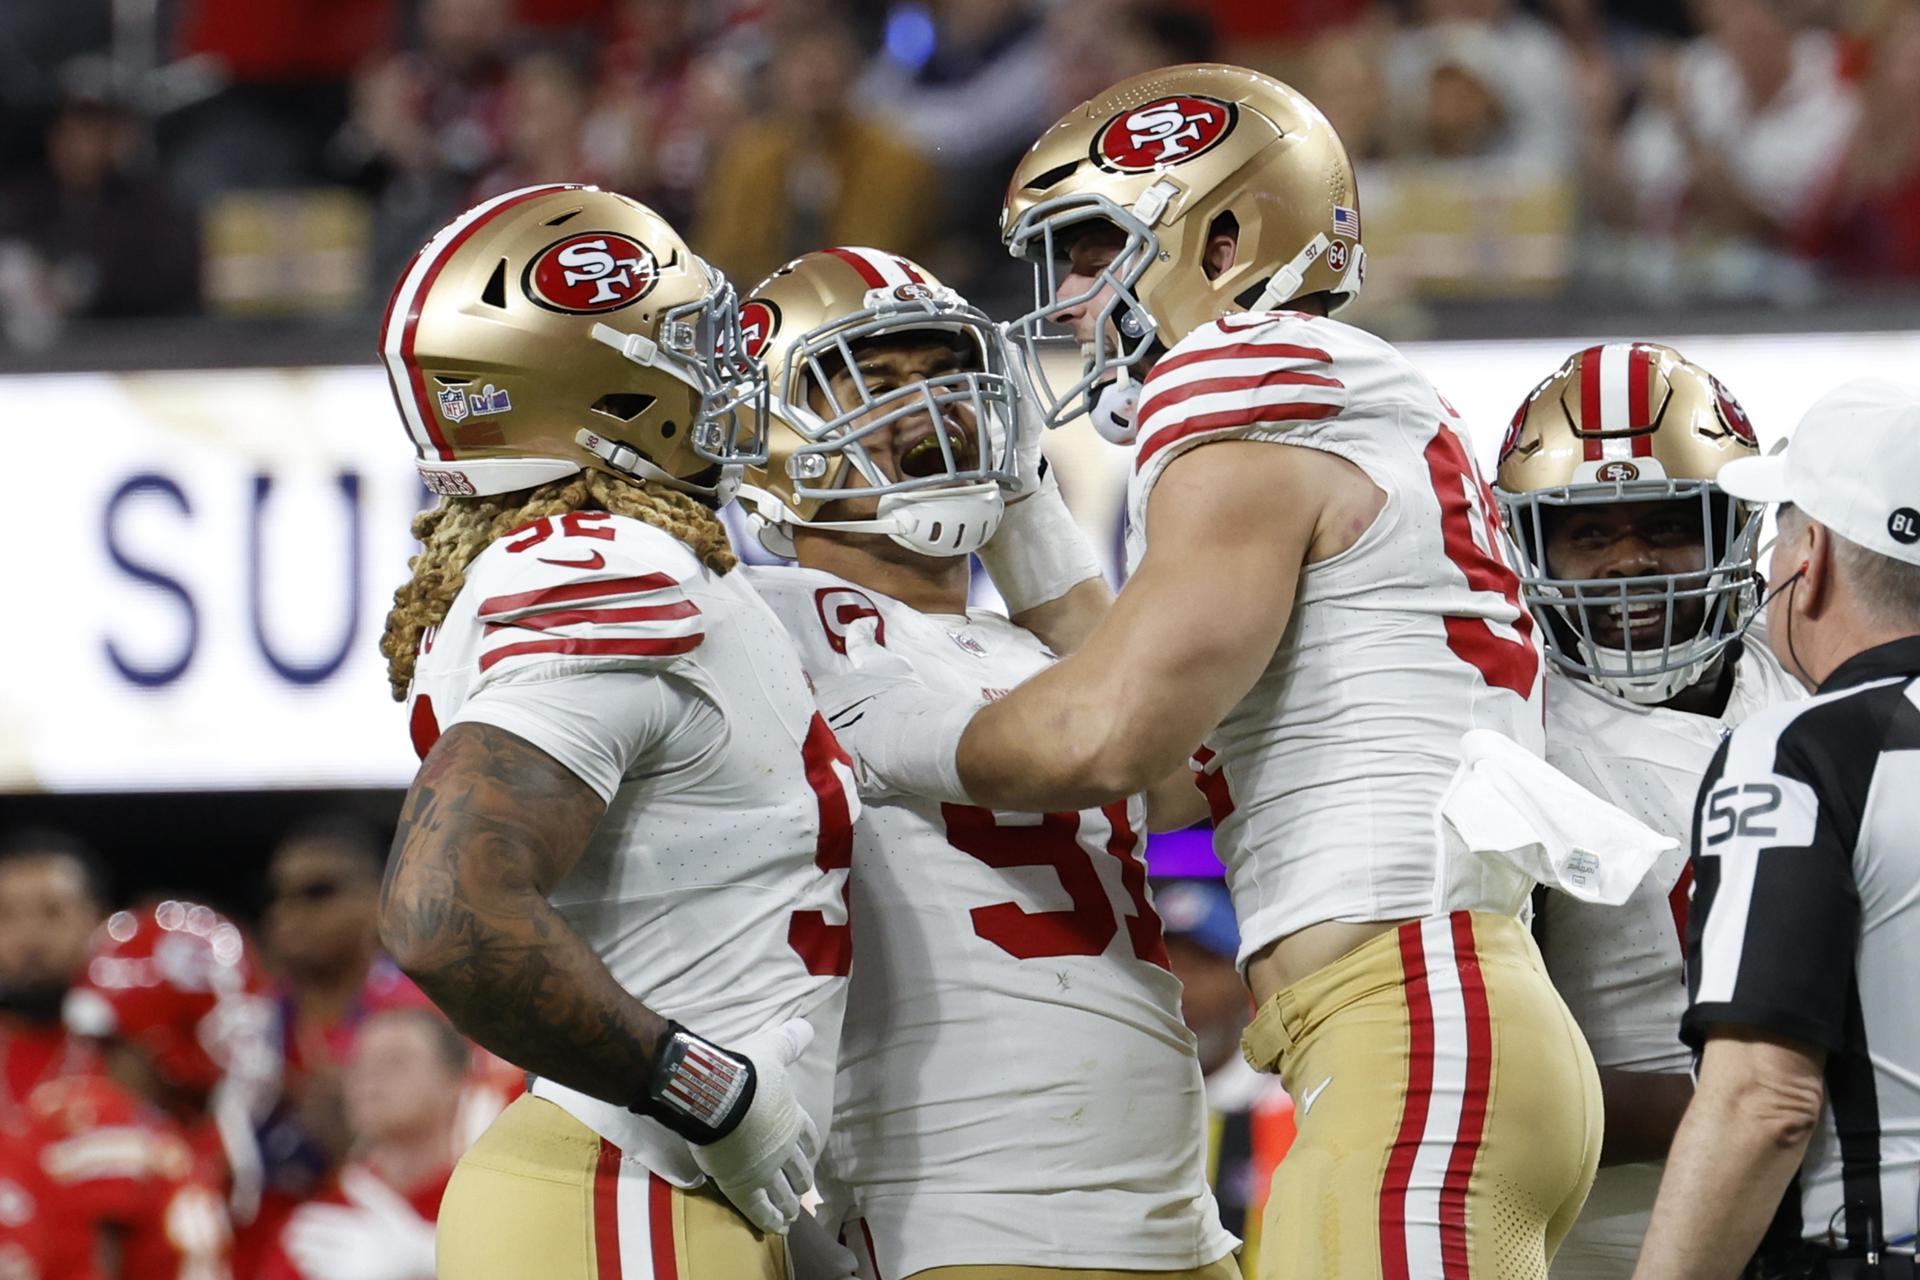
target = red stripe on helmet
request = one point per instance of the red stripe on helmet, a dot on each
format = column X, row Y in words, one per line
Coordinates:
column 414, row 376
column 1590, row 420
column 1639, row 387
column 858, row 261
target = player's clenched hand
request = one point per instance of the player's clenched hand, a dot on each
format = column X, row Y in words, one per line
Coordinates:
column 750, row 1134
column 903, row 736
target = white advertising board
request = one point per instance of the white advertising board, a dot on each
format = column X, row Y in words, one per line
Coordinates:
column 199, row 564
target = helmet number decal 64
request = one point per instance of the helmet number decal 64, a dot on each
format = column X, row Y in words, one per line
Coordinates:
column 1165, row 131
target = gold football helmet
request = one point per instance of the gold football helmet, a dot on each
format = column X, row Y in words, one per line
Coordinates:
column 818, row 316
column 561, row 327
column 1631, row 422
column 1169, row 157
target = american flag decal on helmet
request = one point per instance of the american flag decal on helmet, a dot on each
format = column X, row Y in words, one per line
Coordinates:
column 1346, row 222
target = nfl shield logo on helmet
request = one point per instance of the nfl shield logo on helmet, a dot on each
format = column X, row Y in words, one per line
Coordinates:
column 453, row 404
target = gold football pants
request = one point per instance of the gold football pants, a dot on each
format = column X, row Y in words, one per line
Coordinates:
column 1224, row 1269
column 1448, row 1110
column 542, row 1197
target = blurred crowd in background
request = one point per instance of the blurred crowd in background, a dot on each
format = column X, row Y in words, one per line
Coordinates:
column 260, row 1094
column 162, row 157
column 184, row 1098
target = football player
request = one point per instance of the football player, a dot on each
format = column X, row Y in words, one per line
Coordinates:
column 1640, row 571
column 52, row 896
column 620, row 866
column 1319, row 606
column 1017, row 1094
column 158, row 1156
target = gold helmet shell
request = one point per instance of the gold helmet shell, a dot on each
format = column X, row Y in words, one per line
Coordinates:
column 561, row 327
column 811, row 319
column 1623, row 412
column 1170, row 157
column 1631, row 422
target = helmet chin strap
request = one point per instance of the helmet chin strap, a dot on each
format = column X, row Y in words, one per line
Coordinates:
column 932, row 522
column 645, row 352
column 1285, row 284
column 624, row 457
column 1114, row 403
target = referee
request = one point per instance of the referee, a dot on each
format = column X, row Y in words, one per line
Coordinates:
column 1801, row 1147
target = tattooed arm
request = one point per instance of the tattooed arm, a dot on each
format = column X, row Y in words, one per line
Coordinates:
column 490, row 826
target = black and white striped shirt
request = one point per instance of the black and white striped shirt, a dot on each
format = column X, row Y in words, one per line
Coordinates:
column 1806, row 923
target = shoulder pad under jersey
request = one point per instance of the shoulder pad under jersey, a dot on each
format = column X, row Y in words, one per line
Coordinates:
column 584, row 591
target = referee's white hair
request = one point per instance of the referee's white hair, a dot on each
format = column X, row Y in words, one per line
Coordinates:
column 1888, row 589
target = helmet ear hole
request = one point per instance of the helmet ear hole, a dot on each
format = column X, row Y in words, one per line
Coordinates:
column 1053, row 176
column 495, row 294
column 625, row 405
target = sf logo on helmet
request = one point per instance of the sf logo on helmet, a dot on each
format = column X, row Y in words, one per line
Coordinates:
column 591, row 272
column 1165, row 132
column 758, row 321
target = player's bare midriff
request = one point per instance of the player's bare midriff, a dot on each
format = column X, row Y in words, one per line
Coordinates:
column 1285, row 961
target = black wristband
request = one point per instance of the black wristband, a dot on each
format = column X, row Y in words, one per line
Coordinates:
column 697, row 1089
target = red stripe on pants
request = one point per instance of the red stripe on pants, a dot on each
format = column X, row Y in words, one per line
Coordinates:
column 666, row 1263
column 606, row 1212
column 1473, row 1107
column 1413, row 1114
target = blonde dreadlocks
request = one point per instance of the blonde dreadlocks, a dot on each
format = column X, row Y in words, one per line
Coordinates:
column 458, row 529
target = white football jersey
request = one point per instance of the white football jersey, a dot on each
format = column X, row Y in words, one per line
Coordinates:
column 1326, row 778
column 1016, row 1085
column 1622, row 969
column 714, row 886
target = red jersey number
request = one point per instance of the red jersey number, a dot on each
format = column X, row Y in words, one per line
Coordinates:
column 1088, row 925
column 1468, row 530
column 827, row 948
column 574, row 524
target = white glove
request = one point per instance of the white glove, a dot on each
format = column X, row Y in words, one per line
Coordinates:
column 903, row 736
column 1039, row 552
column 816, row 1255
column 765, row 1164
column 376, row 1236
column 1029, row 423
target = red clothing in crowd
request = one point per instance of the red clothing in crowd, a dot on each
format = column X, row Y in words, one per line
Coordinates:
column 311, row 1043
column 32, row 1055
column 424, row 1199
column 115, row 1162
column 287, row 41
column 32, row 1244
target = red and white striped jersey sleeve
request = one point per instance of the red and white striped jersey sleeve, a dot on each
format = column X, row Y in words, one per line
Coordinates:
column 615, row 608
column 1238, row 377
